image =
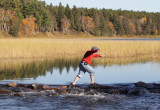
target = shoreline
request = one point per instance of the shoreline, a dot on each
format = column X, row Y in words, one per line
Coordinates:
column 133, row 89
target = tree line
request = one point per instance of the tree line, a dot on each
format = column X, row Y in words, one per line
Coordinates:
column 28, row 17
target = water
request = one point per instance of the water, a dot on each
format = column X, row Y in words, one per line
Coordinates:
column 130, row 73
column 79, row 102
column 56, row 72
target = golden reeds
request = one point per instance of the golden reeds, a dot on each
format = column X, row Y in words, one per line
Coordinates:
column 48, row 48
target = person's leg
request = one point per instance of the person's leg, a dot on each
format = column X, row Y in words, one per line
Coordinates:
column 92, row 78
column 90, row 70
column 76, row 79
column 80, row 74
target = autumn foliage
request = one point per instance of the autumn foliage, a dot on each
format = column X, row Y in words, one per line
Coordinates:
column 28, row 26
column 5, row 19
column 87, row 24
column 65, row 25
column 133, row 28
column 26, row 17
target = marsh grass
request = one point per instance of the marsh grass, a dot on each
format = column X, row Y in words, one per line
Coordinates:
column 25, row 48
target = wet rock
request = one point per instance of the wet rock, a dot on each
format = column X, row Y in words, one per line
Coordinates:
column 17, row 94
column 31, row 90
column 61, row 91
column 103, row 87
column 114, row 91
column 156, row 86
column 76, row 91
column 124, row 90
column 137, row 91
column 54, row 94
column 40, row 86
column 46, row 87
column 3, row 91
column 15, row 89
column 90, row 93
column 13, row 84
column 33, row 86
column 144, row 85
column 155, row 91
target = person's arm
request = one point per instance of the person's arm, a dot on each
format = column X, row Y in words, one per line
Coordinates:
column 97, row 55
column 102, row 55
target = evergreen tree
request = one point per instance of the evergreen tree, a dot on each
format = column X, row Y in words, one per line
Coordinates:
column 15, row 26
column 49, row 18
column 103, row 26
column 76, row 17
column 95, row 20
column 137, row 28
column 60, row 14
column 118, row 26
column 147, row 30
column 72, row 20
column 126, row 26
column 67, row 11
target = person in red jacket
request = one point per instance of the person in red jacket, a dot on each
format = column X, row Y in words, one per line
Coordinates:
column 84, row 65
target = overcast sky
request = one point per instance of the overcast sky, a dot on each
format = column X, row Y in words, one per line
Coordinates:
column 135, row 5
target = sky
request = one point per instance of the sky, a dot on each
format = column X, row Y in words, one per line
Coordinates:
column 135, row 5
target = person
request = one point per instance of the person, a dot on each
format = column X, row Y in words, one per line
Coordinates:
column 84, row 66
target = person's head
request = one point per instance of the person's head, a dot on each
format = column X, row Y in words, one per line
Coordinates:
column 95, row 49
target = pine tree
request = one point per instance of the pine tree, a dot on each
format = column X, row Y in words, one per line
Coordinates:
column 126, row 26
column 95, row 20
column 118, row 26
column 60, row 14
column 67, row 11
column 15, row 26
column 76, row 16
column 147, row 30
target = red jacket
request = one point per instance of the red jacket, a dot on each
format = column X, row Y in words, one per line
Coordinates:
column 89, row 55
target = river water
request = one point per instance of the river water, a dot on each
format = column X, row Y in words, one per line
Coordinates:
column 63, row 75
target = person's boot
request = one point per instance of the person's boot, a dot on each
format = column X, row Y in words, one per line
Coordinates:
column 71, row 86
column 94, row 85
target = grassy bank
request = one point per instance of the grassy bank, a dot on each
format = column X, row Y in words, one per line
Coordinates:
column 50, row 48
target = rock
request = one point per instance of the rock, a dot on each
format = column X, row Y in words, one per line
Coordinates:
column 33, row 86
column 137, row 91
column 40, row 86
column 61, row 91
column 3, row 91
column 46, row 87
column 25, row 85
column 13, row 84
column 30, row 90
column 114, row 91
column 157, row 86
column 144, row 85
column 155, row 91
column 124, row 90
column 17, row 94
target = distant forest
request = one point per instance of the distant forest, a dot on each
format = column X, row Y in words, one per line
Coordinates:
column 28, row 17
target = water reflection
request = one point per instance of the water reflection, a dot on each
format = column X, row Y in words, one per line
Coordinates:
column 33, row 69
column 42, row 70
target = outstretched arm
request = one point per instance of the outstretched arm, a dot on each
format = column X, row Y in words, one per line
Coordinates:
column 102, row 55
column 97, row 55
